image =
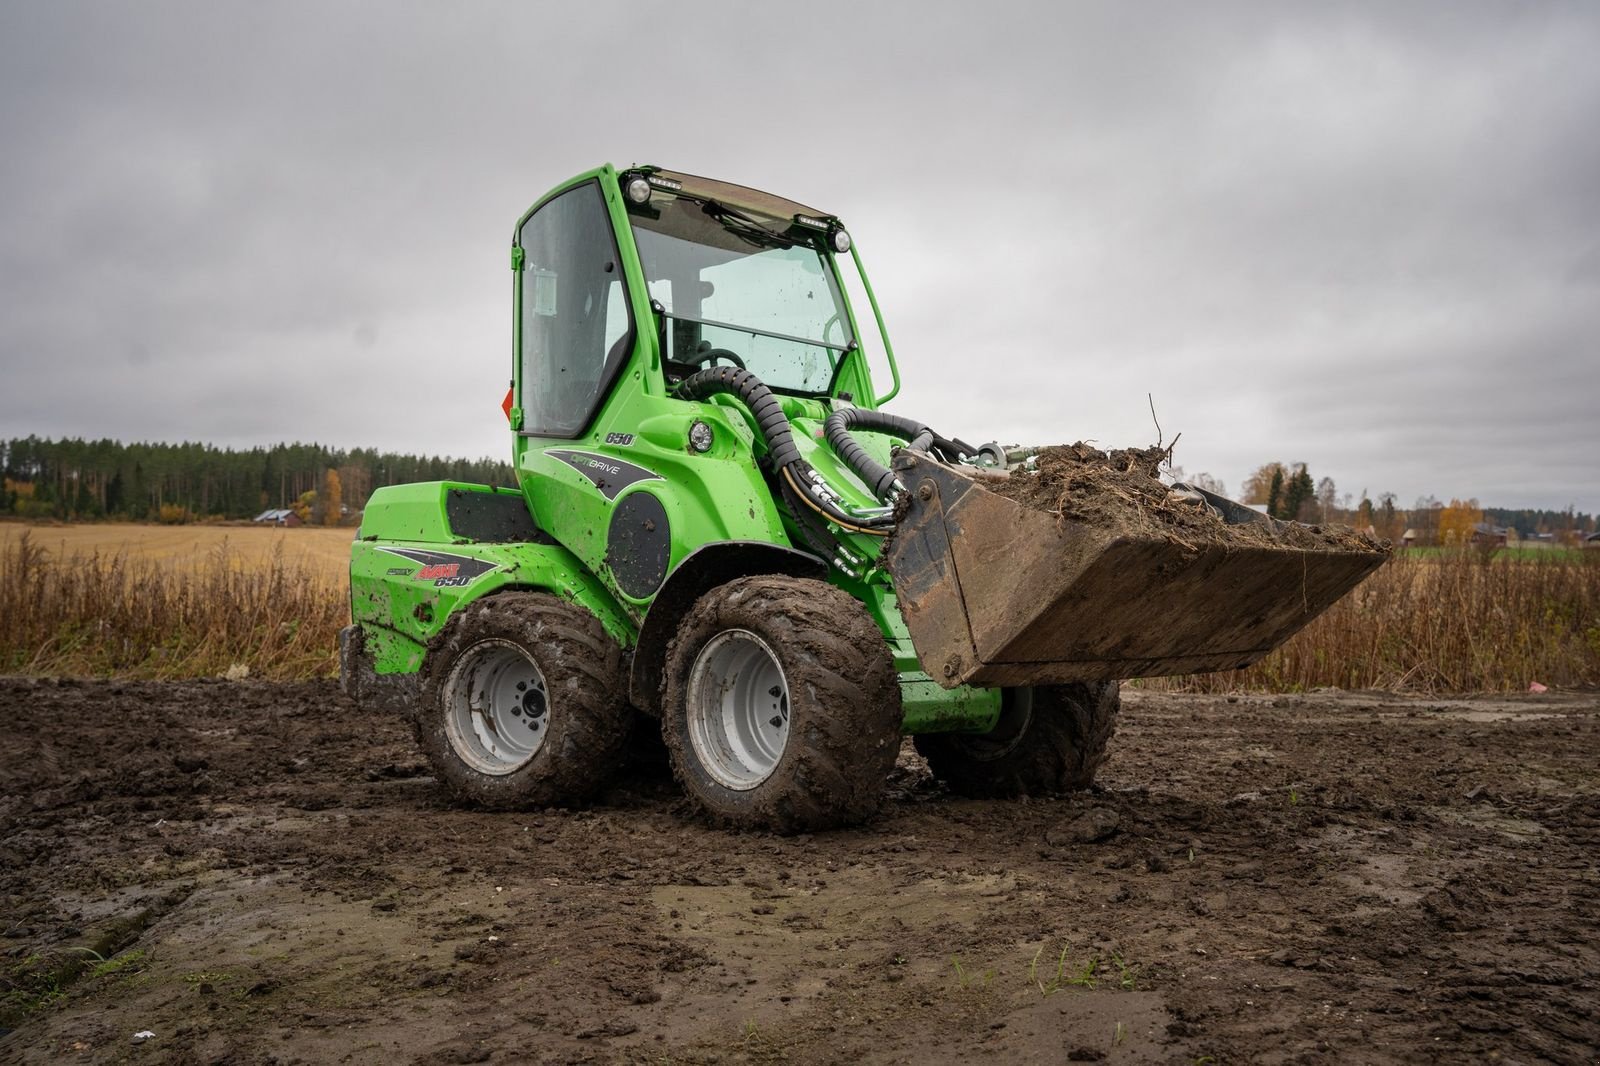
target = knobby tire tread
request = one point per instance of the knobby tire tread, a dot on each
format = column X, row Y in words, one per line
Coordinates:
column 1061, row 750
column 844, row 700
column 590, row 719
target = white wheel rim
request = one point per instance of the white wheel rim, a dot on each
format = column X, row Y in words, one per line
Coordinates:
column 738, row 709
column 496, row 707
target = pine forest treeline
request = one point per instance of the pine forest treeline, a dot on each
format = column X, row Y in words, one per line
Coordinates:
column 83, row 479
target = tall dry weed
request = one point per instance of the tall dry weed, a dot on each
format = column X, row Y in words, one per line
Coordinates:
column 101, row 615
column 1453, row 622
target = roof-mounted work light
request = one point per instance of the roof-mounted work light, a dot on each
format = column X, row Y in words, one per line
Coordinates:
column 636, row 188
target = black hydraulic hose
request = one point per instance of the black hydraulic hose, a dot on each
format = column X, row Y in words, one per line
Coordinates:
column 769, row 416
column 806, row 484
column 879, row 478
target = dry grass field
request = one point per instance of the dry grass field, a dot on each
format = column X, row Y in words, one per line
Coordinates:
column 1443, row 622
column 166, row 602
column 314, row 546
column 126, row 600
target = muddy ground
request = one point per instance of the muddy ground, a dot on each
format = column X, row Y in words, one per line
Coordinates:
column 270, row 876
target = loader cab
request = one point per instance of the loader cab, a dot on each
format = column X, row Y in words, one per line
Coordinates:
column 682, row 273
column 625, row 285
column 737, row 279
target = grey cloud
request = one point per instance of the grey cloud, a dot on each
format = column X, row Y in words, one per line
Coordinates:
column 1360, row 235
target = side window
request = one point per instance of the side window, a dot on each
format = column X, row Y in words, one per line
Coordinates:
column 575, row 324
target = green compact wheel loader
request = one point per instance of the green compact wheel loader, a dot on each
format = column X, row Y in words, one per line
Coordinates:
column 718, row 532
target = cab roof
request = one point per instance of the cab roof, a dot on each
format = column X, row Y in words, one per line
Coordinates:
column 746, row 199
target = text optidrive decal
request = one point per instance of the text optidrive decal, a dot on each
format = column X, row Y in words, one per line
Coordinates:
column 609, row 475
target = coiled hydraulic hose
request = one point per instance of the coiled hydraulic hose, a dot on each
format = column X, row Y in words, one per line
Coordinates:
column 801, row 485
column 879, row 478
column 769, row 416
column 808, row 496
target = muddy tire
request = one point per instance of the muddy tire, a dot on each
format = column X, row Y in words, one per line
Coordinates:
column 782, row 706
column 521, row 702
column 1051, row 738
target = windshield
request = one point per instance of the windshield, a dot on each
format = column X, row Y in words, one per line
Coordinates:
column 737, row 290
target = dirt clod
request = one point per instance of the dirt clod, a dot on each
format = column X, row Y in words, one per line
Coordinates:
column 1092, row 826
column 1122, row 490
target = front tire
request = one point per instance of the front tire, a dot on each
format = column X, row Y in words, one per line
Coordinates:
column 521, row 702
column 782, row 706
column 1050, row 738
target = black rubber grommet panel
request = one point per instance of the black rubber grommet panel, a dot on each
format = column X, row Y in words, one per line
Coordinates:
column 639, row 544
column 492, row 518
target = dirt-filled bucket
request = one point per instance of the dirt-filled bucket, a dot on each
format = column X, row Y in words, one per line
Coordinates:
column 1088, row 568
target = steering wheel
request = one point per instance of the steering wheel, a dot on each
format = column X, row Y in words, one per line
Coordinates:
column 711, row 355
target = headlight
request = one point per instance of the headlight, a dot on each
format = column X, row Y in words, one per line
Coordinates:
column 700, row 437
column 840, row 241
column 637, row 190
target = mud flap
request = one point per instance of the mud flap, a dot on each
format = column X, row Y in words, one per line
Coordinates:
column 360, row 680
column 995, row 593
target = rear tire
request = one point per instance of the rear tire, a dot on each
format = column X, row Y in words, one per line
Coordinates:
column 782, row 706
column 1051, row 738
column 521, row 702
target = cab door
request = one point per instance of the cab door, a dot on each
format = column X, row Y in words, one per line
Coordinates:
column 575, row 335
column 576, row 327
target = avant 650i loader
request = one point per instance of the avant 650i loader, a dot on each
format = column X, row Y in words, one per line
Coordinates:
column 717, row 527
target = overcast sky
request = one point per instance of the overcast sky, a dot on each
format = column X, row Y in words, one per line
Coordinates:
column 1362, row 236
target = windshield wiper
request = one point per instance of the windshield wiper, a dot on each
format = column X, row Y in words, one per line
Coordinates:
column 742, row 225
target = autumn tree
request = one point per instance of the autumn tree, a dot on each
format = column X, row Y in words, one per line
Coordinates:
column 1327, row 497
column 355, row 481
column 1457, row 522
column 1258, row 486
column 332, row 498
